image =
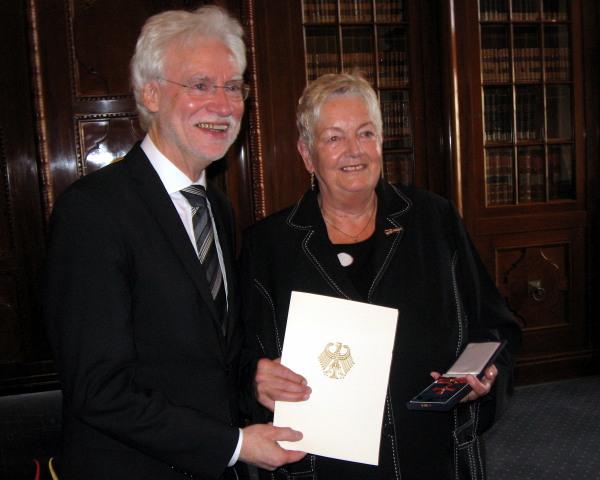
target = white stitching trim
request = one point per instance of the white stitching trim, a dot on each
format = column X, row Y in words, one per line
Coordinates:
column 320, row 267
column 393, row 437
column 268, row 298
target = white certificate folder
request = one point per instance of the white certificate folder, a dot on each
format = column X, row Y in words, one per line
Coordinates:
column 344, row 350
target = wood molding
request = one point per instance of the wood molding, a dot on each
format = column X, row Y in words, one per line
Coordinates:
column 255, row 134
column 40, row 108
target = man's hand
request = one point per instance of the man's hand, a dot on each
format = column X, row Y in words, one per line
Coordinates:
column 479, row 388
column 273, row 382
column 260, row 448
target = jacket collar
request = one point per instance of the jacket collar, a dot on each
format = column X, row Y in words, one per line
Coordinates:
column 155, row 197
column 392, row 204
column 393, row 212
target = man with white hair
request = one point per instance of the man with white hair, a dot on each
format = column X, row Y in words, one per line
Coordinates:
column 140, row 294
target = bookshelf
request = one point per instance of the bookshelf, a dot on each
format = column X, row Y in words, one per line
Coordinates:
column 527, row 87
column 523, row 172
column 372, row 37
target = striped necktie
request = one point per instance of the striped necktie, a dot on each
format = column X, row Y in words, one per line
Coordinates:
column 205, row 238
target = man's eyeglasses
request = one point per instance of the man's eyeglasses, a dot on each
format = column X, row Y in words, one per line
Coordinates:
column 236, row 90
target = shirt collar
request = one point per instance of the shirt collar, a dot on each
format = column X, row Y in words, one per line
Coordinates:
column 172, row 178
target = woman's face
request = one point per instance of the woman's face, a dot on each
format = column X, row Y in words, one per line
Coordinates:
column 346, row 156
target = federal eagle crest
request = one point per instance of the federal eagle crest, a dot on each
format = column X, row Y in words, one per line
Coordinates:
column 336, row 360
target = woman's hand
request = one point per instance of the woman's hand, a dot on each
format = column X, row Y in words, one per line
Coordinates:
column 274, row 382
column 479, row 387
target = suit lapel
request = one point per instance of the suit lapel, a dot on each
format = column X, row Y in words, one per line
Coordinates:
column 158, row 202
column 392, row 210
column 317, row 247
column 392, row 217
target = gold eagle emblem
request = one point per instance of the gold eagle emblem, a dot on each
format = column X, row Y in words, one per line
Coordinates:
column 336, row 360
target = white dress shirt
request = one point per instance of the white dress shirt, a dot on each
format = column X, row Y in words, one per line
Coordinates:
column 174, row 181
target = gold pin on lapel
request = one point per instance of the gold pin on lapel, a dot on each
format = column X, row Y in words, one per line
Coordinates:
column 389, row 231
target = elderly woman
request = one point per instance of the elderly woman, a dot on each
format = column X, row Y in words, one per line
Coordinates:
column 354, row 236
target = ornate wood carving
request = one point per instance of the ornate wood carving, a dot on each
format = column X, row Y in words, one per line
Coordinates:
column 101, row 139
column 535, row 281
column 40, row 108
column 256, row 152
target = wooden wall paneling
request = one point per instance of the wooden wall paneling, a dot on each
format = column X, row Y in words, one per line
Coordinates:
column 83, row 74
column 538, row 273
column 528, row 248
column 66, row 111
column 432, row 167
column 279, row 177
column 23, row 348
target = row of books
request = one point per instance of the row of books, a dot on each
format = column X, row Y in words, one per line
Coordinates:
column 320, row 11
column 499, row 187
column 393, row 69
column 395, row 113
column 528, row 65
column 497, row 114
column 529, row 114
column 321, row 55
column 493, row 10
column 495, row 65
column 557, row 63
column 361, row 61
column 353, row 11
column 523, row 10
column 318, row 64
column 398, row 168
column 531, row 175
column 356, row 11
column 390, row 10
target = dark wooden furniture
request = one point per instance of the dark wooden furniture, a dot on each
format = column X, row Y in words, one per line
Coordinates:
column 523, row 169
column 295, row 41
column 444, row 69
column 498, row 126
column 66, row 110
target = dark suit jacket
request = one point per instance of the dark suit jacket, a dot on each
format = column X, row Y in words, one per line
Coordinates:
column 425, row 266
column 150, row 386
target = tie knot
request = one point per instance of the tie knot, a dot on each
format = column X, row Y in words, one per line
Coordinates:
column 195, row 195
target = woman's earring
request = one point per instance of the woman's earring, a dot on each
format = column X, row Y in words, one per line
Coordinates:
column 312, row 181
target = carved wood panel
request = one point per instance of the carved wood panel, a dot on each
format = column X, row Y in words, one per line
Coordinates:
column 80, row 52
column 541, row 274
column 101, row 139
column 535, row 281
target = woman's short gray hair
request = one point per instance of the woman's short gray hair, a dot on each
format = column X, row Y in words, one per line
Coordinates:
column 329, row 85
column 161, row 30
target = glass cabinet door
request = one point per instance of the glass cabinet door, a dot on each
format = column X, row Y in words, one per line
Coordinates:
column 527, row 94
column 371, row 37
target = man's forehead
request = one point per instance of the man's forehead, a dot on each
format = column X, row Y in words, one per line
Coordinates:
column 202, row 57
